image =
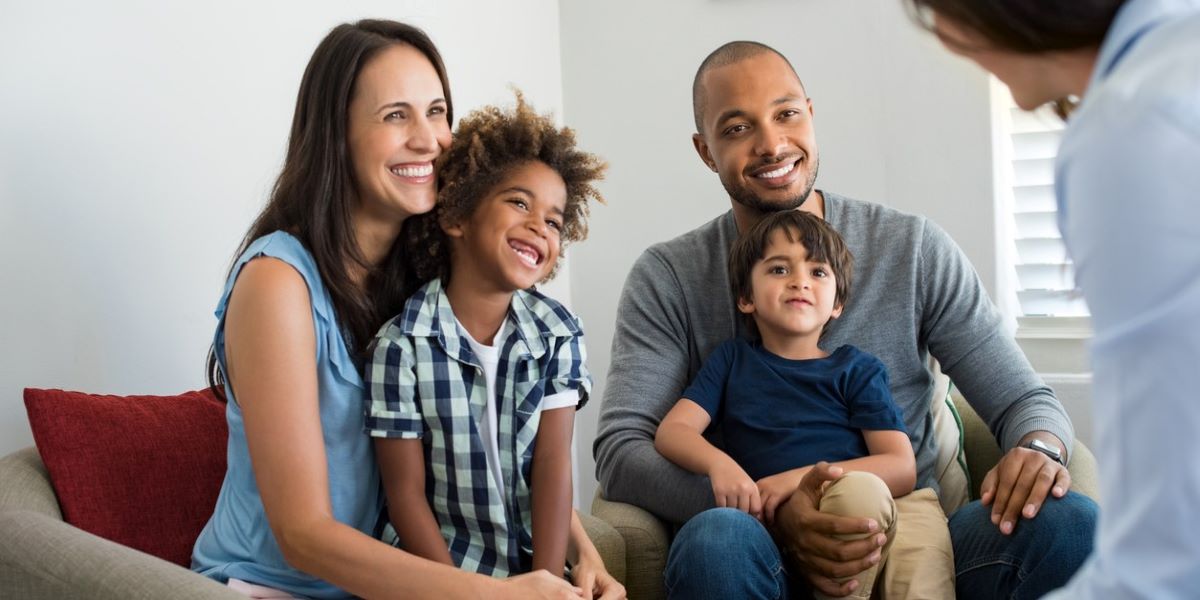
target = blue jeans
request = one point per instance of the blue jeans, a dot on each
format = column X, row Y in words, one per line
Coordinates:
column 1039, row 556
column 725, row 553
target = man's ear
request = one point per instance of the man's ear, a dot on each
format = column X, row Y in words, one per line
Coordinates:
column 702, row 150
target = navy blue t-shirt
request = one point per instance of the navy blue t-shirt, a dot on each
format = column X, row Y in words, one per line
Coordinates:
column 778, row 414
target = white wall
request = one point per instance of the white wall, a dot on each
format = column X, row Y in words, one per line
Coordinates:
column 898, row 120
column 137, row 142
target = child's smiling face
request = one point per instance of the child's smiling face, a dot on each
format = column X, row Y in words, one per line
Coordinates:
column 512, row 239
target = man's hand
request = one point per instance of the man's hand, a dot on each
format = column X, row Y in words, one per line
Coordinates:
column 809, row 539
column 1017, row 486
column 733, row 488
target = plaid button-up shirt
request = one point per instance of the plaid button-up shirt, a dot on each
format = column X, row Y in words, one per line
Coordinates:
column 425, row 382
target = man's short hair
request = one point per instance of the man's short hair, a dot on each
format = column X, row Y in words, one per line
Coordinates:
column 727, row 54
column 822, row 242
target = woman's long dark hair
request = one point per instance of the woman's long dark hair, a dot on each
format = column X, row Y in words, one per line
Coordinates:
column 315, row 193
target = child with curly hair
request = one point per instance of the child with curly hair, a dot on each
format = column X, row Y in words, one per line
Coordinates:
column 473, row 387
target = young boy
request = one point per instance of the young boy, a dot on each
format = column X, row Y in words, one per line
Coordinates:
column 473, row 388
column 783, row 404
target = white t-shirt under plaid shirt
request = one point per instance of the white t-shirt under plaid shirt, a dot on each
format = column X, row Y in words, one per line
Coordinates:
column 424, row 381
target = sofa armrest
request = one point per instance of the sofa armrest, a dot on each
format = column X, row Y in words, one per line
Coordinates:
column 45, row 558
column 646, row 543
column 26, row 484
column 983, row 453
column 609, row 544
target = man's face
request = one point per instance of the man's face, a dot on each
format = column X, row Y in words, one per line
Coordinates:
column 758, row 133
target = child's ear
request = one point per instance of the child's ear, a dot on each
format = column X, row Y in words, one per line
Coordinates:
column 453, row 229
column 837, row 312
column 745, row 306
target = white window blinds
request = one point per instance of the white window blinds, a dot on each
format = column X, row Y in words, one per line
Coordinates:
column 1044, row 279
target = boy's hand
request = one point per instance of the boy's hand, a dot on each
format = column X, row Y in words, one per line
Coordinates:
column 733, row 488
column 776, row 489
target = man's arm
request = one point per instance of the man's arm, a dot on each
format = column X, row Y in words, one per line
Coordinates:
column 649, row 369
column 965, row 334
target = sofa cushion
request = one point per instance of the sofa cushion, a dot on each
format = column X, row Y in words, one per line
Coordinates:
column 143, row 471
column 953, row 477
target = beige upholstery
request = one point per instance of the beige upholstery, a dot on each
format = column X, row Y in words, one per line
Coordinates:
column 647, row 538
column 44, row 558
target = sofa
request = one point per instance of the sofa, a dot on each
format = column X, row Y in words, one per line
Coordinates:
column 114, row 465
column 967, row 451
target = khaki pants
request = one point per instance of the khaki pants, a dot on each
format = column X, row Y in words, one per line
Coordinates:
column 917, row 562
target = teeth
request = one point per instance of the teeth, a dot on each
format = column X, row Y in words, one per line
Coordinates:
column 421, row 171
column 780, row 172
column 530, row 257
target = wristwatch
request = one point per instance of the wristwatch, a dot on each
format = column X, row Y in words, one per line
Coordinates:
column 1051, row 451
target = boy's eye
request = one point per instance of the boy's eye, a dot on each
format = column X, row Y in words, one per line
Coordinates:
column 519, row 203
column 555, row 225
column 820, row 272
column 777, row 270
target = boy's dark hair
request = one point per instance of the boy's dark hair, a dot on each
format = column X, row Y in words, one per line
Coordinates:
column 489, row 144
column 820, row 240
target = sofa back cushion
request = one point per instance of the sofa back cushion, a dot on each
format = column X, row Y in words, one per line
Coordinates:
column 142, row 471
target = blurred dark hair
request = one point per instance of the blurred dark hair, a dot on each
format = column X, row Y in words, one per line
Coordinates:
column 1024, row 26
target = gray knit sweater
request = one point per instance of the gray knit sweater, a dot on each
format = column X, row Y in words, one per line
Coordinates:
column 914, row 293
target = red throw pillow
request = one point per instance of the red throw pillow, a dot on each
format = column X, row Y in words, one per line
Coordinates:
column 143, row 471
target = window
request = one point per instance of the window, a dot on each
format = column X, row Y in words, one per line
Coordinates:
column 1034, row 262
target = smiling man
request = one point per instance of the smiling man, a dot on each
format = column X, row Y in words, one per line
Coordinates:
column 916, row 294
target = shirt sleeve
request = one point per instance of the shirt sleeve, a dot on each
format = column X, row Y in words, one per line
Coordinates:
column 966, row 335
column 567, row 372
column 392, row 410
column 869, row 397
column 708, row 388
column 650, row 363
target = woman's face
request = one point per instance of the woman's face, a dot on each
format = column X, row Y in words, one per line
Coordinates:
column 397, row 127
column 1030, row 77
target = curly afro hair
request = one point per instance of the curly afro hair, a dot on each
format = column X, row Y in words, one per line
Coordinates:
column 489, row 144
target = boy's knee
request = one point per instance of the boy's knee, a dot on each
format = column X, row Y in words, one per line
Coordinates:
column 860, row 494
column 718, row 534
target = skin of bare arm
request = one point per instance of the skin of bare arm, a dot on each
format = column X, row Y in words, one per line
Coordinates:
column 270, row 353
column 679, row 438
column 587, row 571
column 402, row 468
column 551, row 488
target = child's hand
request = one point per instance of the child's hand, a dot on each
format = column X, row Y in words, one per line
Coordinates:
column 733, row 488
column 776, row 489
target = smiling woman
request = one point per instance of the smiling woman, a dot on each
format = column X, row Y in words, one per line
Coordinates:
column 321, row 268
